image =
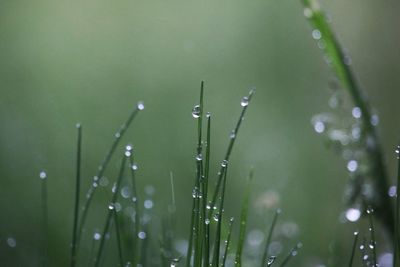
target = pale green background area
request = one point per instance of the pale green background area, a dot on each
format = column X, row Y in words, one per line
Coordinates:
column 63, row 62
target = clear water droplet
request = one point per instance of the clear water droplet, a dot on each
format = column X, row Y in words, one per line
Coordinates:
column 208, row 114
column 271, row 260
column 370, row 210
column 142, row 235
column 245, row 101
column 11, row 242
column 125, row 192
column 135, row 167
column 216, row 217
column 316, row 34
column 128, row 148
column 308, row 13
column 224, row 163
column 232, row 134
column 42, row 175
column 319, row 126
column 352, row 165
column 207, row 221
column 96, row 236
column 199, row 157
column 148, row 204
column 356, row 112
column 196, row 111
column 111, row 206
column 128, row 153
column 392, row 191
column 353, row 214
column 140, row 105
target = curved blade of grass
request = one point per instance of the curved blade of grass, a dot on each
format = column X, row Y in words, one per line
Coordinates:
column 135, row 198
column 228, row 240
column 341, row 68
column 77, row 194
column 195, row 224
column 117, row 137
column 271, row 231
column 243, row 221
column 217, row 242
column 353, row 250
column 118, row 234
column 110, row 212
column 229, row 151
column 293, row 252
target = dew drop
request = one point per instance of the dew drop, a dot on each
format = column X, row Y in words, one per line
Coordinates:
column 392, row 191
column 199, row 157
column 316, row 34
column 42, row 175
column 196, row 111
column 353, row 214
column 245, row 101
column 271, row 260
column 128, row 148
column 319, row 126
column 308, row 13
column 111, row 206
column 352, row 165
column 216, row 217
column 142, row 235
column 148, row 204
column 224, row 163
column 207, row 221
column 134, row 167
column 232, row 134
column 11, row 242
column 140, row 105
column 125, row 192
column 96, row 236
column 128, row 153
column 208, row 114
column 356, row 112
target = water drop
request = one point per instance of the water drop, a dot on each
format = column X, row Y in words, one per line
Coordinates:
column 111, row 206
column 140, row 105
column 134, row 199
column 142, row 235
column 353, row 214
column 174, row 262
column 11, row 242
column 148, row 204
column 370, row 210
column 224, row 163
column 199, row 157
column 134, row 167
column 392, row 191
column 355, row 233
column 308, row 13
column 245, row 101
column 316, row 34
column 207, row 221
column 125, row 192
column 96, row 236
column 196, row 111
column 319, row 126
column 128, row 153
column 375, row 120
column 356, row 112
column 352, row 165
column 208, row 114
column 42, row 175
column 216, row 217
column 128, row 148
column 232, row 134
column 271, row 260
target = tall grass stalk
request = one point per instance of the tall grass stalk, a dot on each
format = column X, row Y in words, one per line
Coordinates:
column 218, row 218
column 353, row 250
column 109, row 217
column 340, row 64
column 244, row 103
column 372, row 244
column 77, row 194
column 227, row 242
column 396, row 243
column 270, row 233
column 101, row 169
column 206, row 221
column 118, row 235
column 135, row 197
column 45, row 216
column 243, row 220
column 293, row 252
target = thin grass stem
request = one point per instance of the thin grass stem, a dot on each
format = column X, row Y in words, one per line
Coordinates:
column 396, row 243
column 243, row 220
column 353, row 250
column 244, row 103
column 45, row 212
column 227, row 243
column 118, row 235
column 372, row 244
column 206, row 221
column 77, row 194
column 293, row 252
column 135, row 200
column 270, row 233
column 101, row 169
column 111, row 208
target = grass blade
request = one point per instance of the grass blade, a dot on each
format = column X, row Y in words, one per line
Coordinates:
column 77, row 194
column 243, row 221
column 117, row 137
column 353, row 250
column 271, row 231
column 396, row 244
column 45, row 211
column 218, row 217
column 293, row 252
column 118, row 234
column 372, row 244
column 110, row 212
column 244, row 103
column 206, row 254
column 228, row 239
column 341, row 67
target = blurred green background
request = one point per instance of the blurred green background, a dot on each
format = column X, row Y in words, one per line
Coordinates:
column 63, row 62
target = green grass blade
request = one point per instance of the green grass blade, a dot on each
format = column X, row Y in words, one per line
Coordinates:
column 206, row 221
column 243, row 221
column 244, row 103
column 77, row 194
column 218, row 217
column 135, row 199
column 396, row 243
column 293, row 253
column 227, row 242
column 101, row 169
column 110, row 212
column 271, row 231
column 372, row 244
column 118, row 234
column 353, row 250
column 341, row 67
column 45, row 212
